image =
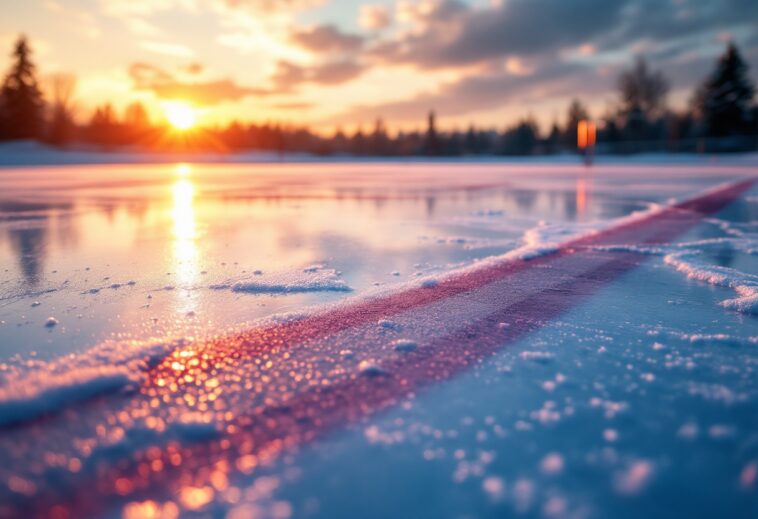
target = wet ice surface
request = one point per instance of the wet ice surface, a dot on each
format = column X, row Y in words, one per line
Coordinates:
column 640, row 400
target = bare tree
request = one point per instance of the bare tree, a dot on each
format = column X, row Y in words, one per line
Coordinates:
column 62, row 87
column 643, row 91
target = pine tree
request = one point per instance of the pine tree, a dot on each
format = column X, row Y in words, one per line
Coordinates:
column 724, row 99
column 432, row 139
column 20, row 97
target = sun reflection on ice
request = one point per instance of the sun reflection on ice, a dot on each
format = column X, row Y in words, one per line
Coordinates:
column 186, row 254
column 183, row 170
column 583, row 196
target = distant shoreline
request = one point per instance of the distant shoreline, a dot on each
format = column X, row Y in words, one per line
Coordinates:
column 33, row 154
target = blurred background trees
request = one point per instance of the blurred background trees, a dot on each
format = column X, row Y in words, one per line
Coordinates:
column 721, row 117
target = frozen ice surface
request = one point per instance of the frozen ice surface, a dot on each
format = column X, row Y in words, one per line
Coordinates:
column 640, row 399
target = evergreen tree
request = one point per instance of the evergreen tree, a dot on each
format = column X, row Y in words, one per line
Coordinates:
column 553, row 141
column 471, row 141
column 725, row 99
column 102, row 127
column 521, row 139
column 20, row 97
column 432, row 139
column 380, row 142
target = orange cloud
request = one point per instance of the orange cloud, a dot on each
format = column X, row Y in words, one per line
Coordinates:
column 327, row 38
column 166, row 86
column 374, row 17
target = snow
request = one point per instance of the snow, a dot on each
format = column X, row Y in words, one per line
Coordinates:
column 44, row 393
column 315, row 278
column 28, row 392
column 688, row 258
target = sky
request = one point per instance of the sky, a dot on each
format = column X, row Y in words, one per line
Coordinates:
column 344, row 63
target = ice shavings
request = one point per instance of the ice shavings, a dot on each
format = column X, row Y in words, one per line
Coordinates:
column 314, row 278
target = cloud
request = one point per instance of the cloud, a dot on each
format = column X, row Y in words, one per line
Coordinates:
column 294, row 105
column 374, row 17
column 337, row 72
column 168, row 49
column 430, row 11
column 194, row 68
column 273, row 5
column 500, row 51
column 290, row 75
column 84, row 21
column 326, row 38
column 166, row 86
column 667, row 21
column 482, row 92
column 450, row 33
column 518, row 51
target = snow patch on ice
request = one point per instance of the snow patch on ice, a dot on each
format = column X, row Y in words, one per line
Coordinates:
column 314, row 278
column 26, row 394
column 689, row 258
column 43, row 393
column 745, row 285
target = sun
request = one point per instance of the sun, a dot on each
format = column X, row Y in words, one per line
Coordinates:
column 180, row 115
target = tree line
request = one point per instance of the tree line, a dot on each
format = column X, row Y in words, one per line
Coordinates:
column 721, row 116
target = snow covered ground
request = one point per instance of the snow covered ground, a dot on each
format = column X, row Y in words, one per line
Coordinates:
column 353, row 340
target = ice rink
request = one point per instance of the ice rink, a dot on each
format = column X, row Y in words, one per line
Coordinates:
column 380, row 339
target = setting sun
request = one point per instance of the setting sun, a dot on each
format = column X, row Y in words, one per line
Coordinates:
column 180, row 115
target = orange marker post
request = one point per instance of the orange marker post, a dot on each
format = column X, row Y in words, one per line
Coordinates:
column 586, row 136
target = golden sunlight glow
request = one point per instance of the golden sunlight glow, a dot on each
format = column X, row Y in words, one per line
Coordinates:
column 182, row 170
column 186, row 254
column 180, row 115
column 183, row 212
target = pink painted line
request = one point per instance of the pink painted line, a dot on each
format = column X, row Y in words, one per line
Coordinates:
column 289, row 384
